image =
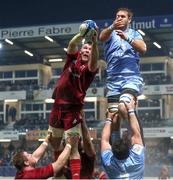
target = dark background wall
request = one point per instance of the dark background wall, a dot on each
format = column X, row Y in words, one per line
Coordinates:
column 35, row 12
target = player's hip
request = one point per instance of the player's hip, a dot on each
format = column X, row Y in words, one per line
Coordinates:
column 117, row 87
column 64, row 118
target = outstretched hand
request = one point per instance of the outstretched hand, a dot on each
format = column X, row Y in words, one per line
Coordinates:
column 121, row 34
column 94, row 36
column 130, row 105
column 73, row 139
column 111, row 115
column 48, row 137
column 82, row 113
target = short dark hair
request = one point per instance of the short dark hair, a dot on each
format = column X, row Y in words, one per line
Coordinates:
column 19, row 160
column 120, row 148
column 130, row 13
column 86, row 42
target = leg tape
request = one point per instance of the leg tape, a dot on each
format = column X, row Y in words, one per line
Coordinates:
column 113, row 108
column 125, row 98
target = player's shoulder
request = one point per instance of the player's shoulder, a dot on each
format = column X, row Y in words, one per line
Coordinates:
column 135, row 33
column 107, row 153
column 106, row 156
column 73, row 55
column 132, row 31
column 137, row 149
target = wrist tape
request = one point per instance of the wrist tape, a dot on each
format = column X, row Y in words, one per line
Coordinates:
column 45, row 143
column 131, row 111
column 111, row 27
column 108, row 120
column 69, row 145
column 129, row 40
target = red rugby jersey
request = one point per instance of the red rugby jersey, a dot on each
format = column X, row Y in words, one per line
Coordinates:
column 36, row 173
column 74, row 81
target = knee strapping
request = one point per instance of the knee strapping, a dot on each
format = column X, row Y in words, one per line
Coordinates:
column 125, row 98
column 72, row 132
column 113, row 108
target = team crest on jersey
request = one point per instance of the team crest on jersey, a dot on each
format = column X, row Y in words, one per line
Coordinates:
column 123, row 46
column 75, row 74
column 82, row 67
column 74, row 121
column 137, row 149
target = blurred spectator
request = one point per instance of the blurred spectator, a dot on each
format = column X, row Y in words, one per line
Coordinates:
column 156, row 78
column 164, row 173
column 12, row 113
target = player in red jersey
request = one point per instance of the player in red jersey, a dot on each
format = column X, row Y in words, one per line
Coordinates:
column 25, row 162
column 87, row 154
column 78, row 73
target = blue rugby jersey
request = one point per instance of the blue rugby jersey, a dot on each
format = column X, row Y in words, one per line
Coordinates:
column 120, row 55
column 122, row 64
column 130, row 168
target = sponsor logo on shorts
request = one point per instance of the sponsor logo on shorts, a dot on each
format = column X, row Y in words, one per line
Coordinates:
column 74, row 121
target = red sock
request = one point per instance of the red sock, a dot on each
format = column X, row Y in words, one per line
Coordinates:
column 75, row 168
column 56, row 155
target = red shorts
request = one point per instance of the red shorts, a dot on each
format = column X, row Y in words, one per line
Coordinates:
column 64, row 118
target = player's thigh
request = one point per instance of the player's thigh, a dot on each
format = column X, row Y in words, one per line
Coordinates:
column 113, row 102
column 71, row 119
column 135, row 83
column 74, row 131
column 126, row 97
column 56, row 136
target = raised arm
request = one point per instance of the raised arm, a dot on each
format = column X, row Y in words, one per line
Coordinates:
column 93, row 64
column 105, row 34
column 136, row 137
column 64, row 156
column 62, row 159
column 38, row 153
column 138, row 44
column 106, row 132
column 87, row 143
column 73, row 44
column 115, row 131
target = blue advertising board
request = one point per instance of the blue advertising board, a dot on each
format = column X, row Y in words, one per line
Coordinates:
column 150, row 22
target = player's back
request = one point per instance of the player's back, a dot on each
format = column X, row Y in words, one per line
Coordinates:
column 120, row 55
column 130, row 168
column 87, row 168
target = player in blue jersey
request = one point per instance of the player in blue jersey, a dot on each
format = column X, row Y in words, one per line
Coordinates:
column 122, row 46
column 124, row 158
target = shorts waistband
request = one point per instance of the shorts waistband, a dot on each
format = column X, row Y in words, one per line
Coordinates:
column 71, row 107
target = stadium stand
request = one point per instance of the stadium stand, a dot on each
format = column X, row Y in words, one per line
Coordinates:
column 26, row 85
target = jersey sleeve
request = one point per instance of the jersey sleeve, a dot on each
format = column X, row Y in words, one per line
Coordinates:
column 40, row 173
column 88, row 77
column 137, row 149
column 107, row 42
column 137, row 153
column 70, row 58
column 137, row 35
column 106, row 157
